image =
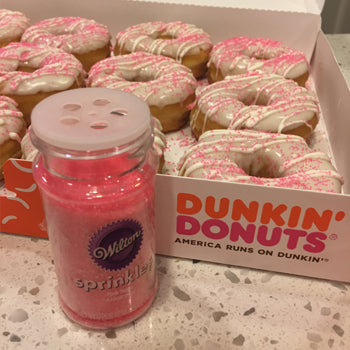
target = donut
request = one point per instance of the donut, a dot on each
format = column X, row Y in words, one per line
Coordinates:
column 183, row 42
column 164, row 84
column 29, row 151
column 259, row 101
column 259, row 158
column 241, row 54
column 159, row 143
column 30, row 72
column 12, row 129
column 12, row 26
column 86, row 39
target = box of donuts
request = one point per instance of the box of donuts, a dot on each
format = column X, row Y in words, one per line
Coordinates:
column 250, row 112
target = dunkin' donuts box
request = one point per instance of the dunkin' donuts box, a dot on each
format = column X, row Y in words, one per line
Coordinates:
column 290, row 231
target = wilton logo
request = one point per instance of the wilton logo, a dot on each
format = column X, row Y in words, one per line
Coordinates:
column 116, row 245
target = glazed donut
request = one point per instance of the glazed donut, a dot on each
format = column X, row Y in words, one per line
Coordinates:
column 165, row 85
column 183, row 42
column 12, row 26
column 241, row 54
column 12, row 129
column 30, row 72
column 260, row 158
column 159, row 143
column 29, row 151
column 86, row 39
column 266, row 102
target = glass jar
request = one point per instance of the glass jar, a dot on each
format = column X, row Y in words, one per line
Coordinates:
column 96, row 172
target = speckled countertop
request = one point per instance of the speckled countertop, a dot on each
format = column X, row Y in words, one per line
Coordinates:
column 199, row 305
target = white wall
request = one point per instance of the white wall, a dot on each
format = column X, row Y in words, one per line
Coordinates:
column 336, row 16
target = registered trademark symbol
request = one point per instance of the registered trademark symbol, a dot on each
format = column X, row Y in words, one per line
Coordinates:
column 333, row 236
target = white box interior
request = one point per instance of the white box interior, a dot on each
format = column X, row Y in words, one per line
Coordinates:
column 334, row 96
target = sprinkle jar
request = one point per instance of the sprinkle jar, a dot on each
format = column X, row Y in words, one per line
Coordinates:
column 96, row 171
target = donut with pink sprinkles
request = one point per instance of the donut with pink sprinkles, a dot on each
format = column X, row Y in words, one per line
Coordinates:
column 12, row 26
column 260, row 158
column 86, row 39
column 240, row 55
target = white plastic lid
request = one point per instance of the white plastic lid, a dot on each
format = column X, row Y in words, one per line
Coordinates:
column 90, row 119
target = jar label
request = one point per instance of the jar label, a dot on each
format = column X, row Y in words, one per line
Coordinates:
column 115, row 246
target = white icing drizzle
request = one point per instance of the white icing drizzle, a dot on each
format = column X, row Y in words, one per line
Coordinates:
column 265, row 102
column 239, row 156
column 12, row 24
column 241, row 54
column 158, row 80
column 53, row 68
column 29, row 151
column 186, row 39
column 71, row 34
column 11, row 120
column 159, row 142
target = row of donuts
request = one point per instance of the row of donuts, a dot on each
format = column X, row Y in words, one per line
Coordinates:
column 250, row 99
column 16, row 143
column 183, row 42
column 139, row 73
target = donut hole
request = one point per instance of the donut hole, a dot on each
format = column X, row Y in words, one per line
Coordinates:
column 142, row 79
column 260, row 55
column 262, row 163
column 137, row 76
column 254, row 98
column 163, row 35
column 25, row 67
column 263, row 51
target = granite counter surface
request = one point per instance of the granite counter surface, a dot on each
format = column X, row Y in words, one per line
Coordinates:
column 198, row 306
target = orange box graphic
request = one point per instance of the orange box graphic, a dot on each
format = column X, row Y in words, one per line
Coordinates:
column 21, row 207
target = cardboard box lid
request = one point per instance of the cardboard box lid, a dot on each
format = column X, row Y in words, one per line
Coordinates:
column 307, row 6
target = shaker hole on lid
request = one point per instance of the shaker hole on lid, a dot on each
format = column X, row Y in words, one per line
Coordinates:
column 99, row 125
column 101, row 102
column 72, row 107
column 119, row 112
column 69, row 120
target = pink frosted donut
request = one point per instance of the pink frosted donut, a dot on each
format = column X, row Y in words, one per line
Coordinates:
column 260, row 158
column 12, row 26
column 30, row 72
column 258, row 101
column 168, row 87
column 159, row 143
column 86, row 39
column 183, row 42
column 29, row 151
column 12, row 129
column 241, row 54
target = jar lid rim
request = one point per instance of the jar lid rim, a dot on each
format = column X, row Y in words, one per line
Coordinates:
column 91, row 119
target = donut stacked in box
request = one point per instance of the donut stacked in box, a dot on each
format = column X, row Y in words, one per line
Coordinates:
column 253, row 121
column 48, row 56
column 240, row 110
column 12, row 129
